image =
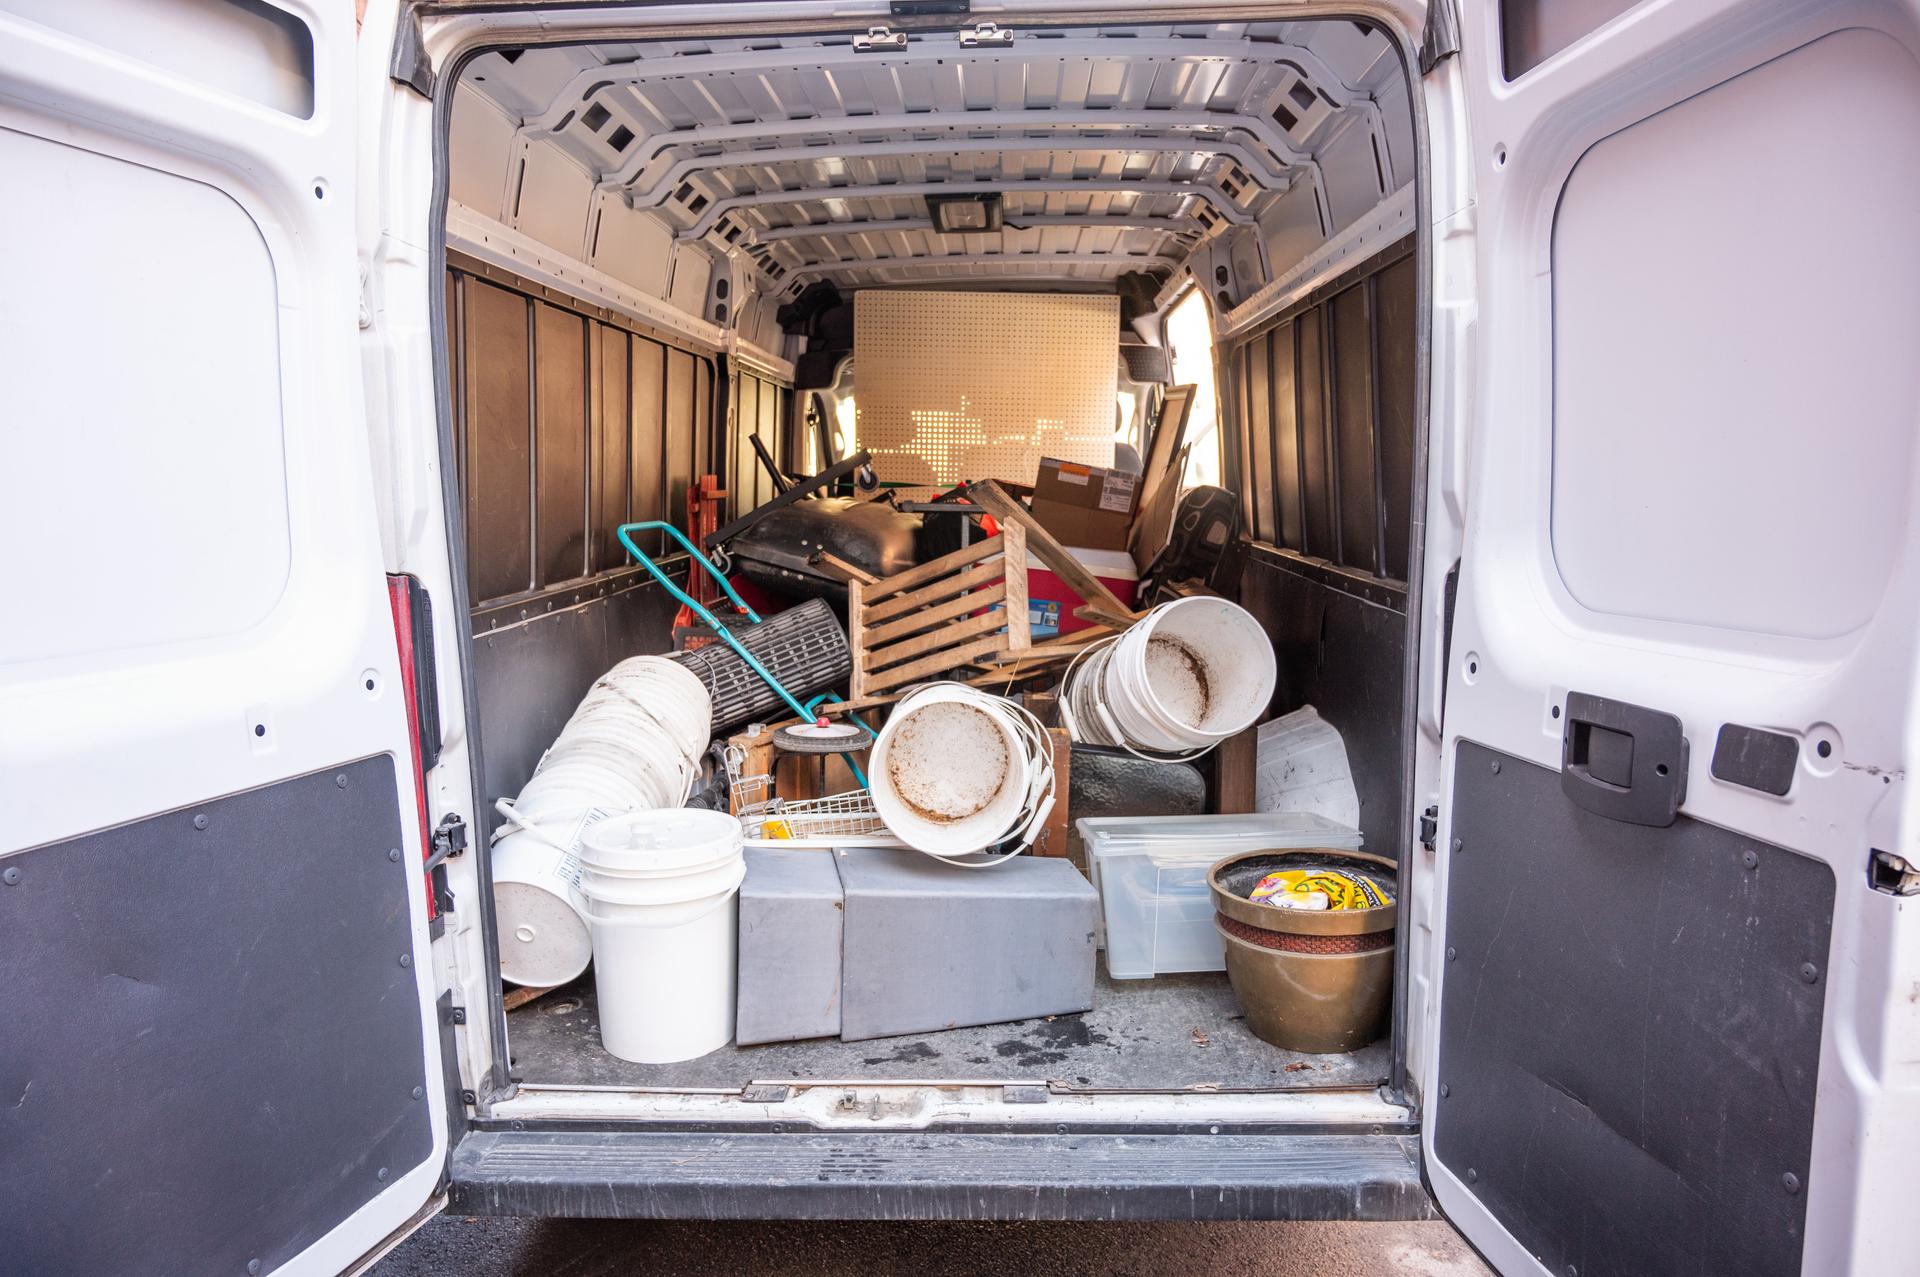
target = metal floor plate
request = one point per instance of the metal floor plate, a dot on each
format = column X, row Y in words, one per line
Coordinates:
column 1169, row 1032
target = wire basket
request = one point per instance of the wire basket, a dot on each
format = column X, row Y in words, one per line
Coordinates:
column 768, row 818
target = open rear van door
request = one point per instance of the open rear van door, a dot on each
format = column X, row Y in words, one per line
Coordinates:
column 218, row 1053
column 1676, row 1028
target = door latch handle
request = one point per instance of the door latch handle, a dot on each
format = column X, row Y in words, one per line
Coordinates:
column 1624, row 762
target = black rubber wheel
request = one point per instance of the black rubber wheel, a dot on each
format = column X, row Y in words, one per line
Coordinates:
column 865, row 479
column 834, row 738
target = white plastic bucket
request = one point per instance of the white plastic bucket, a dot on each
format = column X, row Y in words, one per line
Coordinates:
column 660, row 891
column 1192, row 673
column 952, row 772
column 633, row 744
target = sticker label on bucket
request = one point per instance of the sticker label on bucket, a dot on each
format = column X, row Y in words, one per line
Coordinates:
column 569, row 866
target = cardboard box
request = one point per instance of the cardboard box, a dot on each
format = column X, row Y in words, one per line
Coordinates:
column 1086, row 506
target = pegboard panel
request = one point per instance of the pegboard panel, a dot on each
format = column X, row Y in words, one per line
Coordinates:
column 960, row 386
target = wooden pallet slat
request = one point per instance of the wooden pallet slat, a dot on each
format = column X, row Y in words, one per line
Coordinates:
column 940, row 616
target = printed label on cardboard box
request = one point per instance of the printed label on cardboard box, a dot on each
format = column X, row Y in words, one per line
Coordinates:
column 1117, row 492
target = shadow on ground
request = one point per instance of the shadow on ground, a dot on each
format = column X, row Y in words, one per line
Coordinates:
column 603, row 1248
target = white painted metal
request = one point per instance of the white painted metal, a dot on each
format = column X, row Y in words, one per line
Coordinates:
column 949, row 57
column 1687, row 309
column 163, row 712
column 687, row 127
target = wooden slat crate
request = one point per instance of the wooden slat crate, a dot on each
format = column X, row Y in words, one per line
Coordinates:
column 939, row 616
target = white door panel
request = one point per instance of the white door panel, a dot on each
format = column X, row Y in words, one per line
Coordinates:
column 1691, row 476
column 201, row 618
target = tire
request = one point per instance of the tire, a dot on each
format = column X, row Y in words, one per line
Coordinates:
column 834, row 738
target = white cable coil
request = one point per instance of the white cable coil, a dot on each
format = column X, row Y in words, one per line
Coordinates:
column 633, row 744
column 1179, row 681
column 957, row 772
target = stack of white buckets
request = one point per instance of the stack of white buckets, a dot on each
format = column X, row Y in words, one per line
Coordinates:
column 1185, row 677
column 597, row 859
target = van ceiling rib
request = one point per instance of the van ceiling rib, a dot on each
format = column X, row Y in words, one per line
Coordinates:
column 1135, row 143
column 1049, row 262
column 659, row 193
column 1014, row 221
column 1232, row 212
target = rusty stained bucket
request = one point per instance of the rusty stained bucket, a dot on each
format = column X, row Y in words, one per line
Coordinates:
column 1314, row 981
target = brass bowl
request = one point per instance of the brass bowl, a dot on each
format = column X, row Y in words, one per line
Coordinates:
column 1314, row 981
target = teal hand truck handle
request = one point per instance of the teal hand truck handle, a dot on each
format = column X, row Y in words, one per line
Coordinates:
column 693, row 605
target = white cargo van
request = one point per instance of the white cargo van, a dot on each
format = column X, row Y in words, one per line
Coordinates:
column 1564, row 366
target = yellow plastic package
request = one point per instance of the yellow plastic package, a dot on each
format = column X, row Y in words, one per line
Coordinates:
column 1298, row 889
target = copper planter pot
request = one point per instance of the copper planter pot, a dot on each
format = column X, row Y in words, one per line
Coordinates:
column 1318, row 982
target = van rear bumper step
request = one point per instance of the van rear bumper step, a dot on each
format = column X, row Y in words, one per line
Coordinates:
column 635, row 1175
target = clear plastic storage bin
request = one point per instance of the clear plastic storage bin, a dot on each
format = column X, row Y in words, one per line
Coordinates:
column 1151, row 872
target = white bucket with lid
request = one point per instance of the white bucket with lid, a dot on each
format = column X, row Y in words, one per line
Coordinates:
column 956, row 771
column 659, row 891
column 1186, row 677
column 633, row 744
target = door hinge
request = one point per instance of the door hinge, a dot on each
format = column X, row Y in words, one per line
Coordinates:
column 449, row 840
column 986, row 35
column 879, row 40
column 1429, row 827
column 1892, row 874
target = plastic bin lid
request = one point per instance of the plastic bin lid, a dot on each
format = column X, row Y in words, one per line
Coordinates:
column 1211, row 837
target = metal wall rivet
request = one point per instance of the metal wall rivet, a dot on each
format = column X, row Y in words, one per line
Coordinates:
column 1496, row 767
column 1750, row 858
column 1473, row 1176
column 1790, row 1182
column 419, row 1092
column 406, row 959
column 200, row 822
column 253, row 1266
column 381, row 1174
column 1809, row 972
column 10, row 876
column 1445, row 1090
column 341, row 780
column 1457, row 844
column 1452, row 953
column 393, row 854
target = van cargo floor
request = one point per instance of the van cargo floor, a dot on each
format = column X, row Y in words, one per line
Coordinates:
column 1171, row 1032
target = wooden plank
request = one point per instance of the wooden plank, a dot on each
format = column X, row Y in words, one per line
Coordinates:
column 938, row 663
column 844, row 570
column 989, row 496
column 856, row 636
column 1019, row 635
column 900, row 604
column 1052, row 838
column 837, row 708
column 918, row 621
column 935, row 570
column 1101, row 616
column 947, row 636
column 1233, row 774
column 517, row 998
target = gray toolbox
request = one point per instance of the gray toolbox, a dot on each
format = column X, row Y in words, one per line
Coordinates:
column 931, row 946
column 789, row 981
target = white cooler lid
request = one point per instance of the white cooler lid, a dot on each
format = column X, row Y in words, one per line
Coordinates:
column 1113, row 564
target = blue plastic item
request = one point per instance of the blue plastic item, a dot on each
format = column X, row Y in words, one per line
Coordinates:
column 693, row 605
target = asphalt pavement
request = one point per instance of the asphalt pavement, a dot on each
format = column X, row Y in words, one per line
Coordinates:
column 603, row 1248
